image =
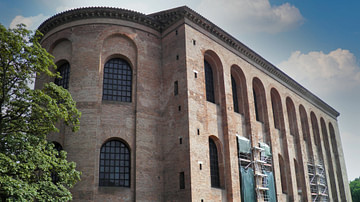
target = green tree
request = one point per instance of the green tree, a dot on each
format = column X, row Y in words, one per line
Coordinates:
column 355, row 189
column 27, row 160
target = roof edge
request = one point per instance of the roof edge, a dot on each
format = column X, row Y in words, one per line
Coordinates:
column 162, row 20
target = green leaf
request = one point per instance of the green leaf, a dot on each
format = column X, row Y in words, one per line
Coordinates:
column 27, row 159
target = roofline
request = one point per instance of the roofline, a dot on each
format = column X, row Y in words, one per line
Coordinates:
column 162, row 20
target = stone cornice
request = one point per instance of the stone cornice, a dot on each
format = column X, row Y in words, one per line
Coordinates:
column 162, row 20
column 97, row 12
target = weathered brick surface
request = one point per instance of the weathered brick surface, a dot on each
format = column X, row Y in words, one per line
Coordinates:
column 156, row 119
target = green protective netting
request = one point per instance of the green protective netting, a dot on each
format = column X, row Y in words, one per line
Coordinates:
column 266, row 148
column 244, row 145
column 271, row 186
column 247, row 185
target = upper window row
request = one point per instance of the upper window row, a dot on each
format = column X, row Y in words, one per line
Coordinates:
column 117, row 83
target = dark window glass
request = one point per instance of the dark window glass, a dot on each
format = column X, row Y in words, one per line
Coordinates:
column 209, row 82
column 274, row 109
column 182, row 180
column 214, row 164
column 64, row 71
column 114, row 164
column 256, row 106
column 176, row 88
column 117, row 80
column 234, row 93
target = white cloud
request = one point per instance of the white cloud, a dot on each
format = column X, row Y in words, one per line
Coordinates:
column 337, row 71
column 63, row 5
column 252, row 15
column 31, row 22
column 335, row 77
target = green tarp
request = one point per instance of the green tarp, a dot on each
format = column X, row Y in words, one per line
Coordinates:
column 247, row 185
column 271, row 186
column 244, row 145
column 266, row 148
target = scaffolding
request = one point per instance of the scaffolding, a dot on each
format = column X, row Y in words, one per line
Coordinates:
column 265, row 185
column 318, row 183
column 246, row 169
column 256, row 175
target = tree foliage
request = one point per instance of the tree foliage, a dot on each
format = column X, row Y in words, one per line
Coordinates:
column 27, row 159
column 355, row 189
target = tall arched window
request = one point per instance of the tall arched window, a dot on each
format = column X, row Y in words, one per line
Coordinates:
column 117, row 80
column 235, row 95
column 114, row 164
column 214, row 164
column 337, row 162
column 277, row 109
column 329, row 159
column 64, row 71
column 209, row 82
column 315, row 129
column 259, row 101
column 306, row 133
column 291, row 116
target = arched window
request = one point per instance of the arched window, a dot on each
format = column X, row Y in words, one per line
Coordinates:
column 235, row 95
column 117, row 80
column 291, row 116
column 306, row 133
column 64, row 71
column 259, row 101
column 277, row 109
column 209, row 82
column 315, row 129
column 256, row 104
column 329, row 159
column 214, row 164
column 114, row 164
column 337, row 161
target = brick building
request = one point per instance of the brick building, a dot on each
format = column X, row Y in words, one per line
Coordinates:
column 175, row 109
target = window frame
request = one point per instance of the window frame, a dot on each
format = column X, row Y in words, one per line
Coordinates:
column 117, row 80
column 64, row 71
column 234, row 89
column 115, row 161
column 214, row 164
column 209, row 82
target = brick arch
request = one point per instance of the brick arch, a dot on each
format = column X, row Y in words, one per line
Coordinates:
column 117, row 139
column 221, row 162
column 278, row 114
column 337, row 161
column 260, row 106
column 241, row 90
column 299, row 172
column 315, row 129
column 329, row 158
column 217, row 70
column 283, row 156
column 61, row 49
column 259, row 100
column 292, row 117
column 238, row 79
column 119, row 45
column 306, row 133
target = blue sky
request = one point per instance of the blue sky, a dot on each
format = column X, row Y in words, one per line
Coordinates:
column 316, row 42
